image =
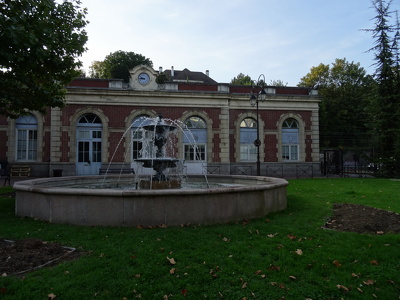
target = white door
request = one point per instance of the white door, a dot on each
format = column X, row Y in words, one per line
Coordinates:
column 88, row 152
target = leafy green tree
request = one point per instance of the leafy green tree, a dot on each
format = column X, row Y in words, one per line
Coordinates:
column 385, row 102
column 242, row 79
column 40, row 41
column 278, row 83
column 96, row 70
column 117, row 65
column 344, row 89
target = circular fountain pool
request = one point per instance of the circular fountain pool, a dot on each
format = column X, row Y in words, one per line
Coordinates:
column 70, row 200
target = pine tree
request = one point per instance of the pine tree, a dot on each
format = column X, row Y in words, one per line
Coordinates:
column 385, row 103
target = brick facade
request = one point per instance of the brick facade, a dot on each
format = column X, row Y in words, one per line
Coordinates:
column 222, row 107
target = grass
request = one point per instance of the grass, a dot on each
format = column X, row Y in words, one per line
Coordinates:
column 285, row 255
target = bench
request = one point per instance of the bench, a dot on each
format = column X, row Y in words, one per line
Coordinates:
column 20, row 171
column 6, row 175
column 115, row 171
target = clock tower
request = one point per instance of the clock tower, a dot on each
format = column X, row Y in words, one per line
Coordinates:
column 143, row 77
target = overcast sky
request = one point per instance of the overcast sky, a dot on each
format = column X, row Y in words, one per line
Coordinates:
column 281, row 39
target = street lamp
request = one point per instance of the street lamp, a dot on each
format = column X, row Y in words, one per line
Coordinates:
column 254, row 99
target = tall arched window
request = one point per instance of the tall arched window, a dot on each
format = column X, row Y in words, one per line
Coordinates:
column 26, row 127
column 290, row 140
column 248, row 134
column 137, row 135
column 195, row 139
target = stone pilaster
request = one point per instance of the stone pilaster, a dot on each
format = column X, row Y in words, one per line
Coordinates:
column 55, row 135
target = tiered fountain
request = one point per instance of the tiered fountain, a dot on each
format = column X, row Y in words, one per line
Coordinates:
column 158, row 160
column 83, row 200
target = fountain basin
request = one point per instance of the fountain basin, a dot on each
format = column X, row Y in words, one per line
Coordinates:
column 56, row 200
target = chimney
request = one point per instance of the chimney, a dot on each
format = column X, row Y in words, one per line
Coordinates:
column 208, row 73
column 160, row 70
column 172, row 71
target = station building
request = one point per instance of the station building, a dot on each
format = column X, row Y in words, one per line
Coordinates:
column 97, row 128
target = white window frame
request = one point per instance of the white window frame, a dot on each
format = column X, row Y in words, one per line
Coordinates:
column 26, row 138
column 290, row 140
column 195, row 140
column 248, row 134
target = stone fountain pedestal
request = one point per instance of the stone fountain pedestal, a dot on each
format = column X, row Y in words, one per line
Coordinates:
column 159, row 185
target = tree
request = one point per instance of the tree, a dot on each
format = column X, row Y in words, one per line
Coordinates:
column 385, row 102
column 96, row 70
column 278, row 83
column 344, row 88
column 117, row 65
column 242, row 79
column 40, row 42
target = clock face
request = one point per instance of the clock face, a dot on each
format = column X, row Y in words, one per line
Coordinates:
column 143, row 78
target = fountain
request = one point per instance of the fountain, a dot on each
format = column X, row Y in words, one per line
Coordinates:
column 158, row 133
column 137, row 200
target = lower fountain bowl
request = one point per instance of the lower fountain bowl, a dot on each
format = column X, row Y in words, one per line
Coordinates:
column 67, row 200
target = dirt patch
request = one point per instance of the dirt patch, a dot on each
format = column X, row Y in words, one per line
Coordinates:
column 363, row 219
column 26, row 255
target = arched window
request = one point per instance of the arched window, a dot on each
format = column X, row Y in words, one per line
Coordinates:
column 195, row 139
column 290, row 140
column 26, row 127
column 137, row 135
column 248, row 134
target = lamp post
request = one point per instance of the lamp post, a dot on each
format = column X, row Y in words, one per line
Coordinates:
column 254, row 99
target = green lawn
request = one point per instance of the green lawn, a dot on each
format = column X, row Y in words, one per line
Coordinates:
column 285, row 255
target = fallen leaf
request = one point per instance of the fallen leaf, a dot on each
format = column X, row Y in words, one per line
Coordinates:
column 299, row 252
column 171, row 261
column 292, row 237
column 244, row 285
column 184, row 292
column 172, row 271
column 369, row 282
column 374, row 262
column 163, row 226
column 51, row 296
column 257, row 272
column 342, row 287
column 360, row 290
column 292, row 277
column 380, row 232
column 225, row 239
column 271, row 235
column 137, row 275
column 274, row 268
column 354, row 275
column 336, row 263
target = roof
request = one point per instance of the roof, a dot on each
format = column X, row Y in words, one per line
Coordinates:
column 189, row 76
